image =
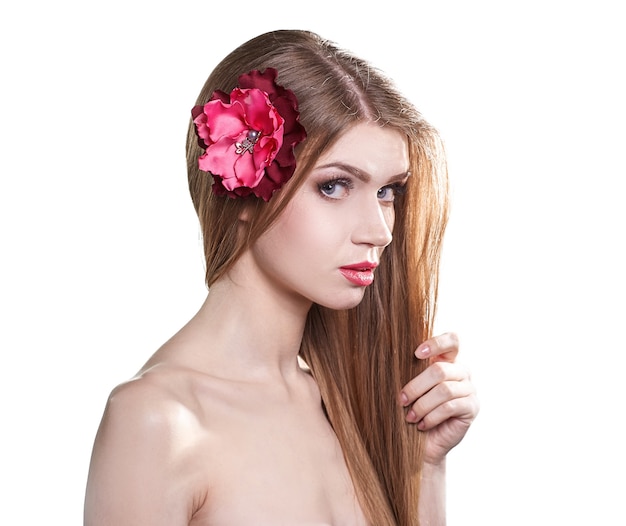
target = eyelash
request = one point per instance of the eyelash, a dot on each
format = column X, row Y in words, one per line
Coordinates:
column 396, row 188
column 347, row 183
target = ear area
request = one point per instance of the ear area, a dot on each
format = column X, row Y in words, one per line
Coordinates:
column 246, row 212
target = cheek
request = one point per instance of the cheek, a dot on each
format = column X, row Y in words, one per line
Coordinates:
column 390, row 217
column 311, row 224
column 315, row 235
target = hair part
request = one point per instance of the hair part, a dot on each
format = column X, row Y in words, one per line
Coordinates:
column 362, row 357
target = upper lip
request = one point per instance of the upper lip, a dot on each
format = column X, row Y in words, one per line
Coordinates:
column 364, row 265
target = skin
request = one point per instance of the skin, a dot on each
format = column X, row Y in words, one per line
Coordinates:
column 223, row 425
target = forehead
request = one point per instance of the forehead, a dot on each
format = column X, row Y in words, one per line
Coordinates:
column 371, row 148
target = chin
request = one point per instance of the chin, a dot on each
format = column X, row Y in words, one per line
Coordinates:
column 344, row 302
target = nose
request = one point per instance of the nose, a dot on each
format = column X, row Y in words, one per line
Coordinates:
column 374, row 225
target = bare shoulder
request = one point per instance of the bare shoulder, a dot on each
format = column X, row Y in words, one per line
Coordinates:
column 143, row 453
column 158, row 397
column 157, row 411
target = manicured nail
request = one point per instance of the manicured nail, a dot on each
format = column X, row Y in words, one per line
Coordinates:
column 422, row 352
column 404, row 399
column 411, row 416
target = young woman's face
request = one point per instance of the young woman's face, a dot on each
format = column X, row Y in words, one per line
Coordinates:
column 326, row 244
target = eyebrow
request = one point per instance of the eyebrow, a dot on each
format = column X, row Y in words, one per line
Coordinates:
column 360, row 174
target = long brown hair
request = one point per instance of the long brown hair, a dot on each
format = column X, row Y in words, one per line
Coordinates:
column 362, row 357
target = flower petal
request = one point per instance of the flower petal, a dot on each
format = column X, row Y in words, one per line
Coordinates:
column 225, row 120
column 222, row 126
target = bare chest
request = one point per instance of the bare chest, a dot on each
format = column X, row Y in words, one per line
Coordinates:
column 276, row 468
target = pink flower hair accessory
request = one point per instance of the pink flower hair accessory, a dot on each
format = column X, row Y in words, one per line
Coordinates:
column 249, row 136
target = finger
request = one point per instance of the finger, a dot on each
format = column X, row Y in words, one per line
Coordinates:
column 460, row 410
column 434, row 374
column 439, row 396
column 444, row 347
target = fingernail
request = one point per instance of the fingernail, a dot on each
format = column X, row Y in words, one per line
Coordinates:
column 411, row 416
column 422, row 352
column 404, row 399
column 421, row 425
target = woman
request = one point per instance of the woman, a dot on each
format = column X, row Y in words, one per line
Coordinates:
column 307, row 389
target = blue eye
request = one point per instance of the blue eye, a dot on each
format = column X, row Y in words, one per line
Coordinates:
column 389, row 193
column 335, row 188
column 386, row 194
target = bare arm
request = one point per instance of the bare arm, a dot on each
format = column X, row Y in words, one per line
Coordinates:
column 136, row 476
column 442, row 402
column 432, row 506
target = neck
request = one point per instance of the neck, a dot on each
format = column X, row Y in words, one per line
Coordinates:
column 249, row 328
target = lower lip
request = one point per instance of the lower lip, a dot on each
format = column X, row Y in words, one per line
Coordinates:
column 362, row 278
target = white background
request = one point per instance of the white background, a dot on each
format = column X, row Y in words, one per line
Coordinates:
column 101, row 261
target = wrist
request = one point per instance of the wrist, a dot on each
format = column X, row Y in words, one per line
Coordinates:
column 432, row 500
column 434, row 469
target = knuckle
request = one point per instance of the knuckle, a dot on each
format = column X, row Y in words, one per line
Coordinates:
column 451, row 408
column 438, row 370
column 475, row 405
column 439, row 341
column 447, row 390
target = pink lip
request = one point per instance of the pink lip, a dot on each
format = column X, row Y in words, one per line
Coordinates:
column 361, row 274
